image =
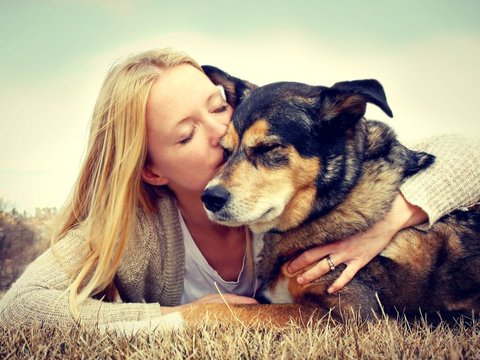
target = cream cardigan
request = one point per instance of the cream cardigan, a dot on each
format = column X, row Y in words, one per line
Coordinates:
column 152, row 269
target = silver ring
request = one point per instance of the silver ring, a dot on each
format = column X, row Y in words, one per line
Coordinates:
column 330, row 262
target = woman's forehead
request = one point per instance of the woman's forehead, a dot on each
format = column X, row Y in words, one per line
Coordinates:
column 179, row 82
column 177, row 92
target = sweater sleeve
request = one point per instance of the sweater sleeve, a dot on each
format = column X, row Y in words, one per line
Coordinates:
column 40, row 296
column 452, row 182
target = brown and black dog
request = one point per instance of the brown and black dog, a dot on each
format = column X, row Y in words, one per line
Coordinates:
column 306, row 167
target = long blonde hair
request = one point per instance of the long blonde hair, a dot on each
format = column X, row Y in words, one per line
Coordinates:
column 109, row 187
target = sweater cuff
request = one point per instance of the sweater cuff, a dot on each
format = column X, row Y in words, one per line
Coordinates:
column 149, row 319
column 452, row 182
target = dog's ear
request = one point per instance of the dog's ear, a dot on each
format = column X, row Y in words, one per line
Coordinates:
column 236, row 90
column 416, row 161
column 346, row 102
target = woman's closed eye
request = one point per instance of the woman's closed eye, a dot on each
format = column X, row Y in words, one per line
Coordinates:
column 222, row 108
column 185, row 139
column 188, row 138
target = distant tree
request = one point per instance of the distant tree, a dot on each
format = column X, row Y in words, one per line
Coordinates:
column 14, row 213
column 22, row 239
column 3, row 206
column 45, row 213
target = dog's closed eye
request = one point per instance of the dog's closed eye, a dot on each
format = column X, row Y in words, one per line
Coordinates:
column 264, row 148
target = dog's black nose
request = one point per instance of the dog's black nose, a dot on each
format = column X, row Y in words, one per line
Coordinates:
column 215, row 198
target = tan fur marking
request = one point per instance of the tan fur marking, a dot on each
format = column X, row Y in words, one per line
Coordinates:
column 302, row 172
column 408, row 248
column 375, row 135
column 297, row 209
column 454, row 243
column 296, row 290
column 240, row 179
column 255, row 133
column 230, row 140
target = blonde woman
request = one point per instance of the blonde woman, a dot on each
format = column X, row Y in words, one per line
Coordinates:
column 135, row 243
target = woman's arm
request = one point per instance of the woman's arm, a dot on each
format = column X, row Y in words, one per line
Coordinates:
column 40, row 295
column 452, row 182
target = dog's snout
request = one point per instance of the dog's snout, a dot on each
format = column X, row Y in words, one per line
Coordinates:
column 215, row 197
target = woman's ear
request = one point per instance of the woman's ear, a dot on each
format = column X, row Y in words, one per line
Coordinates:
column 151, row 177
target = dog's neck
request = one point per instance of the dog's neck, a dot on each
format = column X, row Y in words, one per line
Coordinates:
column 367, row 201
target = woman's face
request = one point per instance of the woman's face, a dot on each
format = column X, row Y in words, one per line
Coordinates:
column 186, row 117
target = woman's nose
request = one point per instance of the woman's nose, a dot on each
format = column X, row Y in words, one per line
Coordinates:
column 216, row 130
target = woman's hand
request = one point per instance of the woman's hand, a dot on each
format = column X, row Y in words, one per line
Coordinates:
column 229, row 298
column 357, row 250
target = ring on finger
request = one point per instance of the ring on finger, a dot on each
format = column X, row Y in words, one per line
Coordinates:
column 330, row 263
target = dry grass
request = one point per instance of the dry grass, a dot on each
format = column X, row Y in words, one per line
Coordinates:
column 382, row 339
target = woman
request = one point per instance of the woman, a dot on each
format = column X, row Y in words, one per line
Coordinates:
column 134, row 228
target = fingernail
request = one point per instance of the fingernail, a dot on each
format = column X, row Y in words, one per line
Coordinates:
column 300, row 280
column 330, row 290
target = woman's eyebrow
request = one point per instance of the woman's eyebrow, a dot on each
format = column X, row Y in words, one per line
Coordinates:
column 213, row 95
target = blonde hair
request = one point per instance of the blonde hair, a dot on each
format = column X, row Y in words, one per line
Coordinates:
column 109, row 187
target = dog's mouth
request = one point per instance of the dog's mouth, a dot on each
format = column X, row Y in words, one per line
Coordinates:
column 249, row 205
column 265, row 214
column 225, row 217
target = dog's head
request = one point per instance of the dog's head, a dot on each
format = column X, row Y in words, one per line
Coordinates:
column 284, row 145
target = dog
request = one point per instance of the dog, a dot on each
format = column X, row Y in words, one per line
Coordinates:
column 306, row 168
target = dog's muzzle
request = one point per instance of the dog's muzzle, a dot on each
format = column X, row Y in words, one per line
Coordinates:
column 215, row 198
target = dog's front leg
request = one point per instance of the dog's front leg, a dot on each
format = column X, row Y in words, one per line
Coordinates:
column 254, row 315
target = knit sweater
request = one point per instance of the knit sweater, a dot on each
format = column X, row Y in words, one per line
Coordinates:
column 152, row 268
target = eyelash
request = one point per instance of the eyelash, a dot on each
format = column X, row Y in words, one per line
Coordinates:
column 221, row 109
column 188, row 138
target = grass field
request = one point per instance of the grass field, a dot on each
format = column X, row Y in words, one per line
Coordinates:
column 381, row 339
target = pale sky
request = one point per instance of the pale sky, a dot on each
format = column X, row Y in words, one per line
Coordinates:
column 55, row 53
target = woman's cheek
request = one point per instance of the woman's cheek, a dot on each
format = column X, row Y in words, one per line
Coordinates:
column 229, row 115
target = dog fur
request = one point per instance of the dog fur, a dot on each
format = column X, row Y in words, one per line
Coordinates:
column 305, row 166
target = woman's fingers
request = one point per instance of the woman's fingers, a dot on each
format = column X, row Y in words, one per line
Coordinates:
column 345, row 277
column 322, row 267
column 309, row 257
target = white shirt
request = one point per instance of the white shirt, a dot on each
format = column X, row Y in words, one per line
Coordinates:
column 200, row 278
